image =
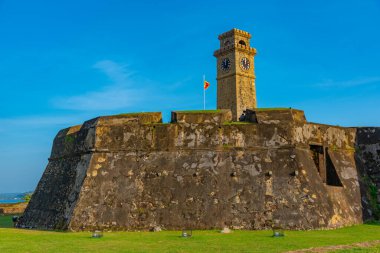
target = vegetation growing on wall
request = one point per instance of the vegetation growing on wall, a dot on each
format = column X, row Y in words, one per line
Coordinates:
column 69, row 138
column 372, row 196
column 373, row 200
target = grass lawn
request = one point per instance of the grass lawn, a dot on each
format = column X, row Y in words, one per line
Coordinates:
column 18, row 240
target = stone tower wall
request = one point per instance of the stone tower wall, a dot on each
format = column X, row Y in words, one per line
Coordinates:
column 236, row 86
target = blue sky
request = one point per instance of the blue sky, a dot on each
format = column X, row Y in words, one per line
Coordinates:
column 63, row 62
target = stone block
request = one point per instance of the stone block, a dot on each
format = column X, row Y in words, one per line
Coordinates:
column 202, row 117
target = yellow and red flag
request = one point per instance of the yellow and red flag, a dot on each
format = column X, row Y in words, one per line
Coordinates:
column 206, row 84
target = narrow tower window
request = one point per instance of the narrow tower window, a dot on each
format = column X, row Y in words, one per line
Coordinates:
column 242, row 43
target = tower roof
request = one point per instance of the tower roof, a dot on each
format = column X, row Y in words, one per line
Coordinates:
column 233, row 32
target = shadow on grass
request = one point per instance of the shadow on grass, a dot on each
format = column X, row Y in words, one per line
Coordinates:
column 6, row 221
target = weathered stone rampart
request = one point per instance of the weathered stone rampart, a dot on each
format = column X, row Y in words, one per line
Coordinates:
column 132, row 172
column 368, row 164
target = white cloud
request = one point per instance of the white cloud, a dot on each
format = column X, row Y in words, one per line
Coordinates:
column 349, row 83
column 126, row 92
column 110, row 98
column 118, row 73
column 38, row 121
column 119, row 94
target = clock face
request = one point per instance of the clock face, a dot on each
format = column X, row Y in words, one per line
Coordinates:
column 225, row 65
column 244, row 63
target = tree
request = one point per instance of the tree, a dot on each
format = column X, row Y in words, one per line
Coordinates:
column 27, row 196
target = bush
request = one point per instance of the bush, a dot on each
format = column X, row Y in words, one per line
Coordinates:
column 27, row 197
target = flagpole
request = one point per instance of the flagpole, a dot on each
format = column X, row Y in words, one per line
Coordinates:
column 204, row 93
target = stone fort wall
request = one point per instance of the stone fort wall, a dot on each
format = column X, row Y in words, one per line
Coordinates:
column 203, row 171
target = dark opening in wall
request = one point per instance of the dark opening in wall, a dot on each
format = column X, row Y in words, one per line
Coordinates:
column 318, row 155
column 332, row 177
column 242, row 43
column 248, row 116
column 325, row 166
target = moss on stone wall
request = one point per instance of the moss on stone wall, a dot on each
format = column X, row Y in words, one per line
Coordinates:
column 69, row 138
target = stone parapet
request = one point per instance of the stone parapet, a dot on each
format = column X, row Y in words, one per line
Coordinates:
column 233, row 32
column 250, row 50
column 279, row 116
column 202, row 117
column 126, row 118
column 325, row 135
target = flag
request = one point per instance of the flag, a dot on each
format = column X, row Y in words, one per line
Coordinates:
column 206, row 84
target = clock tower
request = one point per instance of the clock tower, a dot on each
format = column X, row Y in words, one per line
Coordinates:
column 235, row 72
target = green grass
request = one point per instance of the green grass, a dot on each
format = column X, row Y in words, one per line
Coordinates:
column 19, row 240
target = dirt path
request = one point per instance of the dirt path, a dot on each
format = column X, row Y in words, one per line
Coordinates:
column 337, row 247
